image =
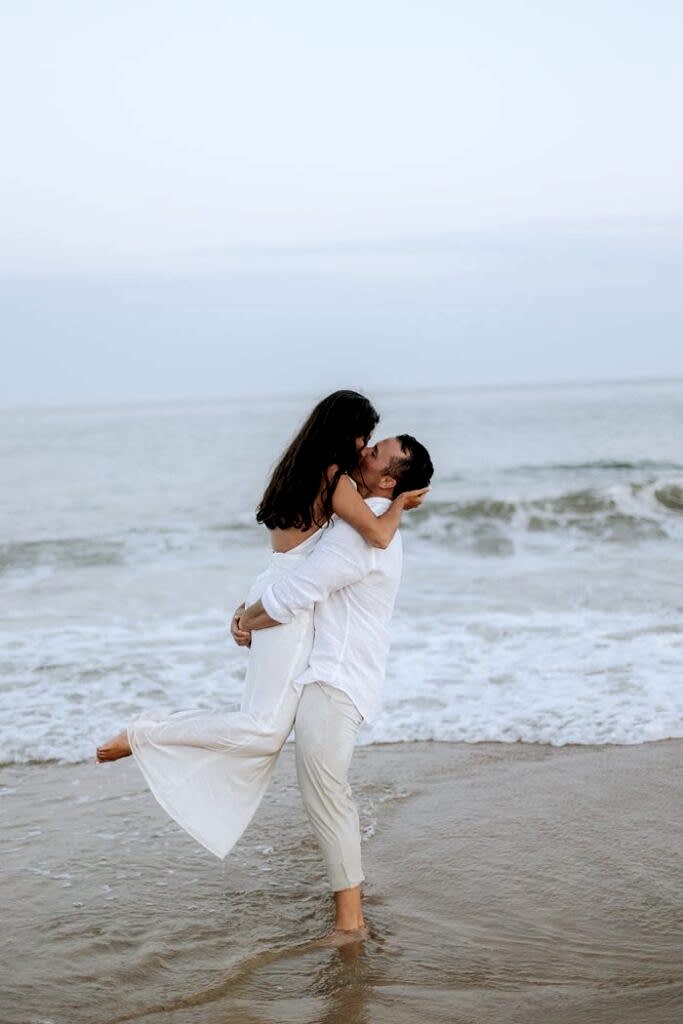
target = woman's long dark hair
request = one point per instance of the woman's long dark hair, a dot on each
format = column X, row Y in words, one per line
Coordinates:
column 327, row 438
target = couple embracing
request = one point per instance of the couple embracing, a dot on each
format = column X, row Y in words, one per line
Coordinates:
column 316, row 623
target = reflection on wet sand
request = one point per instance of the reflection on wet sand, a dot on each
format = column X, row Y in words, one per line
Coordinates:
column 337, row 980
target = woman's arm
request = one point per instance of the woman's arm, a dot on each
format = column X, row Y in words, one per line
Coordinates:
column 376, row 530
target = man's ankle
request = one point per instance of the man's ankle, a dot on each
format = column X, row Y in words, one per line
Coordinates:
column 348, row 919
column 347, row 923
column 348, row 910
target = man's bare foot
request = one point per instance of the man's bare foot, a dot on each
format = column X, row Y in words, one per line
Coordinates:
column 114, row 748
column 344, row 936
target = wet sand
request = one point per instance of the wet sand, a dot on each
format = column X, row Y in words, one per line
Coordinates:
column 505, row 883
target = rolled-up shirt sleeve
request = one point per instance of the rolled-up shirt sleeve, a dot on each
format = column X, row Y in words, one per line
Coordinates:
column 341, row 557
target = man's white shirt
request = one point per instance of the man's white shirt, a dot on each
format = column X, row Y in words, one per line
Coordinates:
column 352, row 587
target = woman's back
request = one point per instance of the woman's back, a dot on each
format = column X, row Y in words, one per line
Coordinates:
column 282, row 541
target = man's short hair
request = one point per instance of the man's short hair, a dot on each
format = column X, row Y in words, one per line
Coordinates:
column 413, row 468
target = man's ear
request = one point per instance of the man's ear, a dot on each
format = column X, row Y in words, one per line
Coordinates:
column 387, row 483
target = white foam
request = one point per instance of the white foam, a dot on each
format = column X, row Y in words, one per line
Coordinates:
column 583, row 677
column 544, row 677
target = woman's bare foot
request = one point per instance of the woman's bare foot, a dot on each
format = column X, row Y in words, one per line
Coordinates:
column 114, row 748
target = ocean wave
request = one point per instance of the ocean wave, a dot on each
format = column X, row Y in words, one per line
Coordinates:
column 70, row 552
column 670, row 496
column 627, row 513
column 490, row 525
column 32, row 560
column 599, row 465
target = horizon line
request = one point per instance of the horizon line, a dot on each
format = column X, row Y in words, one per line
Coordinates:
column 311, row 392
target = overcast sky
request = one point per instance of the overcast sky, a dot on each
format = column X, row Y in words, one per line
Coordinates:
column 216, row 197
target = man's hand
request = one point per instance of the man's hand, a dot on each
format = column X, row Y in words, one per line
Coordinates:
column 242, row 637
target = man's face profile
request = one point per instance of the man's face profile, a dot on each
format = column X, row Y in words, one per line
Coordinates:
column 375, row 461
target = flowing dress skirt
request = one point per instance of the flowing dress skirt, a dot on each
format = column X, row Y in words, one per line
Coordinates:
column 210, row 769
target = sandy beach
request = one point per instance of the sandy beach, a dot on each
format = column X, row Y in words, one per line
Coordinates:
column 505, row 882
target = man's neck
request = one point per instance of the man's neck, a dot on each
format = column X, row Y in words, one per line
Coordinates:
column 367, row 492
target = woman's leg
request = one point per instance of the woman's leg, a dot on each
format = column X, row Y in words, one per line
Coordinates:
column 264, row 720
column 210, row 769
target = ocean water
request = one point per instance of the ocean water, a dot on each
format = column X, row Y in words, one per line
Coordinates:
column 542, row 598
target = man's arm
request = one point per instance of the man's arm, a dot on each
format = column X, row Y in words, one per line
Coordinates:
column 341, row 557
column 255, row 617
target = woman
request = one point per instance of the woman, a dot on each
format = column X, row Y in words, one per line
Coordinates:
column 210, row 769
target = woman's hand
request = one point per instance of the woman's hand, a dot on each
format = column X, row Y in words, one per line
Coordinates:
column 413, row 499
column 242, row 637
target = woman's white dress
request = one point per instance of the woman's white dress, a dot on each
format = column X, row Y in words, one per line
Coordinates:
column 210, row 769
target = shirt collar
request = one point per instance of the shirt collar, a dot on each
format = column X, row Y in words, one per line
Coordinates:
column 377, row 503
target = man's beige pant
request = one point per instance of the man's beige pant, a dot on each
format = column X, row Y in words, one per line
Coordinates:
column 327, row 722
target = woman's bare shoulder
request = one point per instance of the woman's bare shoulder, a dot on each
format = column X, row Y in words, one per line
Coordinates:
column 343, row 479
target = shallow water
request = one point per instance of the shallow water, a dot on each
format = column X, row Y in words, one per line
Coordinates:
column 541, row 597
column 505, row 882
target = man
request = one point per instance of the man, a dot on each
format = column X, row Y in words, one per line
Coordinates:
column 352, row 587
